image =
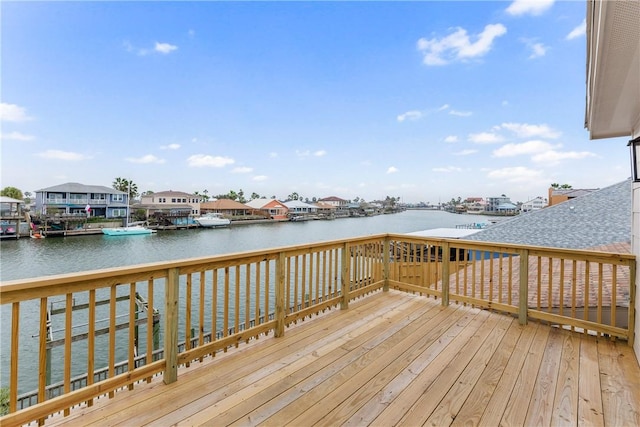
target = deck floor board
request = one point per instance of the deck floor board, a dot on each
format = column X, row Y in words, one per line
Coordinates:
column 393, row 359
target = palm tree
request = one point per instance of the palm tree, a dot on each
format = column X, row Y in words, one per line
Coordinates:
column 129, row 187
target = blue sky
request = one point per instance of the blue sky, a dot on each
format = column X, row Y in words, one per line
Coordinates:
column 425, row 101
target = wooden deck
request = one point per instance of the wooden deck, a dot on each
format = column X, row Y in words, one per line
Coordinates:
column 394, row 359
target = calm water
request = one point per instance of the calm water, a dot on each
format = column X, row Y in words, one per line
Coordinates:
column 27, row 258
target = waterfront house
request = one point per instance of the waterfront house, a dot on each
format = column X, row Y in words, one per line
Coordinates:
column 499, row 204
column 80, row 199
column 326, row 210
column 533, row 204
column 227, row 207
column 342, row 206
column 274, row 208
column 297, row 207
column 10, row 207
column 168, row 200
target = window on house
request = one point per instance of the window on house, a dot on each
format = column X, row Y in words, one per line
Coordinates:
column 117, row 197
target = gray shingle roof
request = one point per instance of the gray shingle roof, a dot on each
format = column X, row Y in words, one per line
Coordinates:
column 598, row 218
column 74, row 187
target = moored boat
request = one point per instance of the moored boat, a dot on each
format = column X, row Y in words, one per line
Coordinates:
column 212, row 220
column 131, row 230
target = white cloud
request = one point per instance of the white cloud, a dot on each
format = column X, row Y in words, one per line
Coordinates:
column 530, row 7
column 451, row 139
column 447, row 169
column 460, row 113
column 578, row 31
column 485, row 138
column 162, row 48
column 392, row 169
column 165, row 48
column 515, row 174
column 273, row 155
column 458, row 45
column 170, row 147
column 410, row 115
column 320, row 153
column 465, row 152
column 538, row 50
column 305, row 153
column 444, row 107
column 525, row 130
column 260, row 178
column 16, row 136
column 205, row 160
column 529, row 147
column 13, row 113
column 63, row 155
column 552, row 157
column 191, row 33
column 242, row 169
column 149, row 158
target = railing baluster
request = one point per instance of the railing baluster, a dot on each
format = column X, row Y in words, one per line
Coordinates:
column 68, row 325
column 91, row 341
column 587, row 280
column 385, row 254
column 523, row 288
column 112, row 333
column 201, row 312
column 280, row 312
column 132, row 328
column 344, row 277
column 43, row 355
column 236, row 302
column 257, row 298
column 15, row 347
column 247, row 297
column 445, row 273
column 214, row 306
column 150, row 324
column 187, row 316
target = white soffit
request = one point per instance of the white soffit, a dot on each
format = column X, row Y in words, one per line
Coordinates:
column 613, row 68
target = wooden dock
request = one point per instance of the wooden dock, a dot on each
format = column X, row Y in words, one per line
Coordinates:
column 394, row 358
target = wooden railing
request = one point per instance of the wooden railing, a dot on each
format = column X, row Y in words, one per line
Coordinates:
column 212, row 304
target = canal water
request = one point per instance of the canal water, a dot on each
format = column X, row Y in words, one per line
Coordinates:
column 25, row 258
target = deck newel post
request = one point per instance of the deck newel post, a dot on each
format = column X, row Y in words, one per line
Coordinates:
column 632, row 302
column 344, row 277
column 280, row 312
column 171, row 294
column 523, row 291
column 385, row 266
column 445, row 273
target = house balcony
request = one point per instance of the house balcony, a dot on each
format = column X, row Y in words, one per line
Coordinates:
column 379, row 330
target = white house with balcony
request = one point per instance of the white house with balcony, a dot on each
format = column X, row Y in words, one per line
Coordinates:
column 75, row 198
column 534, row 204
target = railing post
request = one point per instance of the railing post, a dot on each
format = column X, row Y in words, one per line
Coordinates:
column 385, row 264
column 523, row 291
column 344, row 277
column 171, row 294
column 445, row 273
column 280, row 312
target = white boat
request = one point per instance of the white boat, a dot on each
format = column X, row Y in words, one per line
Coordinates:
column 130, row 230
column 212, row 220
